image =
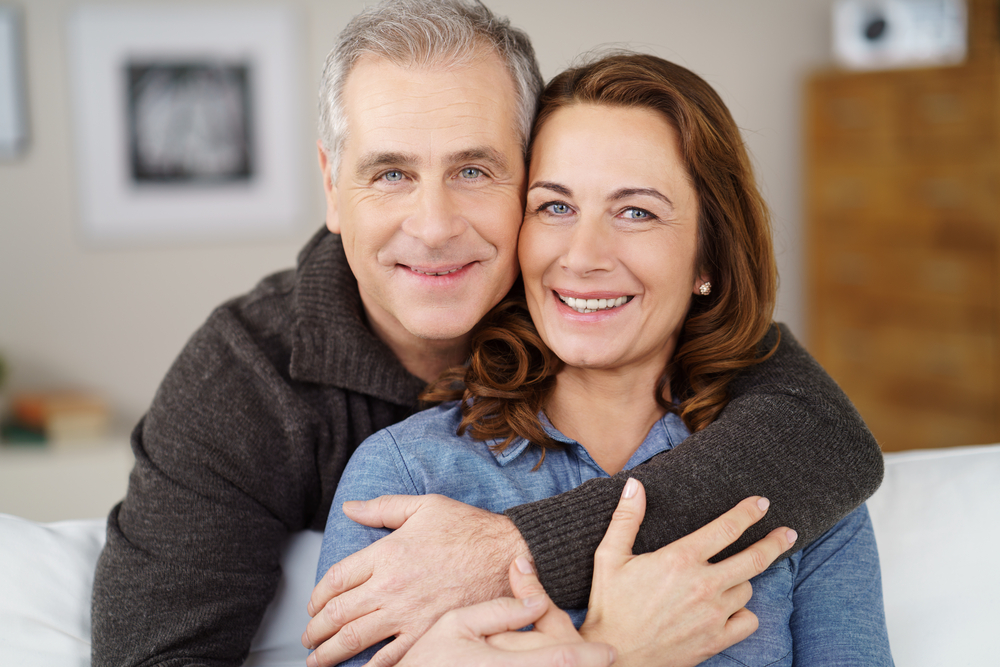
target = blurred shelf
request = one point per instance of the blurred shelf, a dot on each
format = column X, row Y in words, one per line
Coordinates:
column 66, row 480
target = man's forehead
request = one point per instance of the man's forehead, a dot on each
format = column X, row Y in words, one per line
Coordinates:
column 379, row 83
column 396, row 113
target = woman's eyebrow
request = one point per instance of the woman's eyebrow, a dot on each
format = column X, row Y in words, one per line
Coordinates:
column 648, row 192
column 549, row 185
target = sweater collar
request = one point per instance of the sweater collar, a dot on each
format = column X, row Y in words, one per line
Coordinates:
column 332, row 343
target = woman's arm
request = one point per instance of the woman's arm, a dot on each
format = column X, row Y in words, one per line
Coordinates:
column 838, row 615
column 374, row 470
column 788, row 433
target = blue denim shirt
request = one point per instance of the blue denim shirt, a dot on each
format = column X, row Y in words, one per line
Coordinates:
column 836, row 618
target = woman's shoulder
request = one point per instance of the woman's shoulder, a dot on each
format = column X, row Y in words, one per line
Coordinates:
column 440, row 420
column 427, row 431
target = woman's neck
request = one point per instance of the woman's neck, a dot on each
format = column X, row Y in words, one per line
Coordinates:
column 610, row 413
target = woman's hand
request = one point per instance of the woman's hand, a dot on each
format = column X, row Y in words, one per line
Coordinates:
column 672, row 607
column 485, row 634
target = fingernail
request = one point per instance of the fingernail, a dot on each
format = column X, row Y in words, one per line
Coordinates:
column 524, row 565
column 631, row 486
column 791, row 536
column 355, row 505
column 613, row 655
column 763, row 504
column 533, row 601
column 306, row 642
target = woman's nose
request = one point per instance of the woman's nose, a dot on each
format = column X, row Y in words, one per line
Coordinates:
column 590, row 248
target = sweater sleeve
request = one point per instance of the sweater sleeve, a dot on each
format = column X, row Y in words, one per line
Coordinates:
column 222, row 475
column 788, row 433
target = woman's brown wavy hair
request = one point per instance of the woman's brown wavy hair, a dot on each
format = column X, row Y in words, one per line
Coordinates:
column 512, row 373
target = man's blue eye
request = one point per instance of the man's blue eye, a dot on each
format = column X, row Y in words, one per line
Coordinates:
column 393, row 176
column 471, row 172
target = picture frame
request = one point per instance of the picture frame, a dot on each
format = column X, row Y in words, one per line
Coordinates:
column 13, row 103
column 186, row 121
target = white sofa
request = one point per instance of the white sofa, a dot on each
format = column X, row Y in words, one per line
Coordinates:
column 937, row 520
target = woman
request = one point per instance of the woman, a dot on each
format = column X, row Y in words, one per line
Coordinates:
column 648, row 284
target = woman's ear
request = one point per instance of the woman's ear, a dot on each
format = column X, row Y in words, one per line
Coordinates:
column 702, row 285
column 329, row 189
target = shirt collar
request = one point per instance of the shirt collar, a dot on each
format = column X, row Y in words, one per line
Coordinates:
column 668, row 432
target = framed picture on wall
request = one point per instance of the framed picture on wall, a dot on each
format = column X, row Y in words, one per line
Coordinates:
column 186, row 122
column 13, row 114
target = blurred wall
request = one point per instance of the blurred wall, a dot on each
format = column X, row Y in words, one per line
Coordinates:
column 113, row 320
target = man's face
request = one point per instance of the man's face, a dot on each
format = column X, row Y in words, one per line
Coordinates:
column 428, row 197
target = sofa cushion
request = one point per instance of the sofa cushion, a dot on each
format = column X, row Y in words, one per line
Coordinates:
column 936, row 521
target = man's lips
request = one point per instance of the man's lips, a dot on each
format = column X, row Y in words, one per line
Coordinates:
column 435, row 272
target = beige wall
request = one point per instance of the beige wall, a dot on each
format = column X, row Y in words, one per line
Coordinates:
column 113, row 320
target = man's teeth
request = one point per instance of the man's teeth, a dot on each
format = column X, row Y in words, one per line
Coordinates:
column 432, row 273
column 593, row 305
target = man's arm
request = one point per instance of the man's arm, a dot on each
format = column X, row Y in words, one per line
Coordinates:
column 193, row 552
column 788, row 433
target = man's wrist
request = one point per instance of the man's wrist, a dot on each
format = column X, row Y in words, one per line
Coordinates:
column 507, row 543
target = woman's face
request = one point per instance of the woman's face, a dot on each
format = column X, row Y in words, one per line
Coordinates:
column 609, row 239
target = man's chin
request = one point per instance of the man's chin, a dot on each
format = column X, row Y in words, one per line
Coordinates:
column 444, row 327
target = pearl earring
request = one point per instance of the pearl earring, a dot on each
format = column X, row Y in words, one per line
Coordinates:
column 705, row 289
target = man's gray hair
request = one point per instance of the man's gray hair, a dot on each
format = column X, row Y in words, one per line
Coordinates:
column 421, row 33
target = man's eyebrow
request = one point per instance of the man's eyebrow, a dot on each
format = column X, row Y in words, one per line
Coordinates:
column 483, row 153
column 373, row 161
column 549, row 185
column 648, row 192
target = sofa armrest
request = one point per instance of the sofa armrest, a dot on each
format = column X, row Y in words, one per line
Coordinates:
column 937, row 524
column 46, row 579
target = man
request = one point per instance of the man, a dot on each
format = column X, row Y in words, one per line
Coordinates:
column 425, row 114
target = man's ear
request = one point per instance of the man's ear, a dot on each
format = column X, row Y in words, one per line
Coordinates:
column 329, row 189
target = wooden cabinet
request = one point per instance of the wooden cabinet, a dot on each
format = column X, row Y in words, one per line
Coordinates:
column 903, row 233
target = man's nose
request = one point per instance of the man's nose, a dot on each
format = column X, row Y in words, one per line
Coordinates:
column 436, row 218
column 590, row 247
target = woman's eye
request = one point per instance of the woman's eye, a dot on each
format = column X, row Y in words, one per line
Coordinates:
column 558, row 209
column 637, row 214
column 471, row 172
column 393, row 176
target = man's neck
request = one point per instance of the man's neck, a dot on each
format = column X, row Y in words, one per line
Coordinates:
column 428, row 359
column 423, row 357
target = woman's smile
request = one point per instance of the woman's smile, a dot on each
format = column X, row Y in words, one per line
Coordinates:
column 609, row 242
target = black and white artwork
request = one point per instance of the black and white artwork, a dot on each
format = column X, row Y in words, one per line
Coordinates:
column 189, row 122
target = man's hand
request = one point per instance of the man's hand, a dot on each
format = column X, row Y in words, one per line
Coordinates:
column 442, row 555
column 485, row 635
column 672, row 607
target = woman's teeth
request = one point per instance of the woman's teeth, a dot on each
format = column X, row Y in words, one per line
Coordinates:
column 593, row 305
